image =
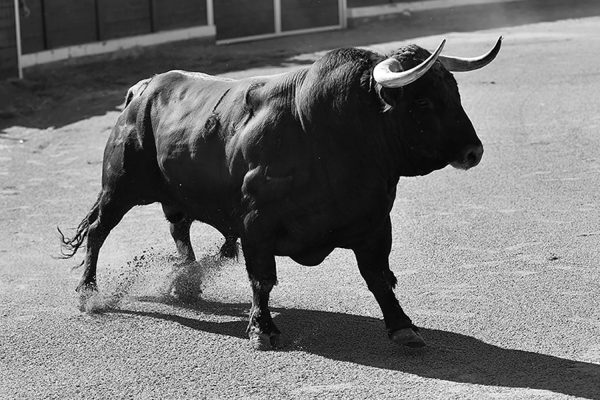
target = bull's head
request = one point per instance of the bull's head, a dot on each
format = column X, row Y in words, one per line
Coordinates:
column 419, row 91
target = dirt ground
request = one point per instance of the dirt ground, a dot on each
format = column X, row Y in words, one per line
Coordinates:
column 498, row 265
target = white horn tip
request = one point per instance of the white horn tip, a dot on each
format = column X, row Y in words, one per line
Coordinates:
column 440, row 48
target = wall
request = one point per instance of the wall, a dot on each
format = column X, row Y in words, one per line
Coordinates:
column 247, row 19
column 238, row 18
column 54, row 24
column 173, row 14
column 8, row 40
column 305, row 14
column 367, row 3
column 60, row 29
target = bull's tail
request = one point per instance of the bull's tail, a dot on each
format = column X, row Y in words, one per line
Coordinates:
column 136, row 90
column 69, row 246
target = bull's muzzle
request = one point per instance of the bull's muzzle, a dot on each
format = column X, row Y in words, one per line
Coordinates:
column 470, row 157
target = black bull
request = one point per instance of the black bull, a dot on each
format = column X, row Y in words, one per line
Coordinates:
column 295, row 164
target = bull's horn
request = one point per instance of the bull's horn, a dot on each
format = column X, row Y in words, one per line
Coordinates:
column 458, row 64
column 385, row 73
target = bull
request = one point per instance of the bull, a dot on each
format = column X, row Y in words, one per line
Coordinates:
column 295, row 164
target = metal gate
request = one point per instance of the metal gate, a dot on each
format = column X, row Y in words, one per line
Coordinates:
column 242, row 20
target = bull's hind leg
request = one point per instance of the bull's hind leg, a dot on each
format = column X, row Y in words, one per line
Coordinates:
column 185, row 279
column 110, row 210
column 179, row 225
column 373, row 263
column 260, row 264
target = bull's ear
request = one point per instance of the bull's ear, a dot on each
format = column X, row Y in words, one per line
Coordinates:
column 386, row 97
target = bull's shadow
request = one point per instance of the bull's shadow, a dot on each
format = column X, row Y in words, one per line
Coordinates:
column 449, row 356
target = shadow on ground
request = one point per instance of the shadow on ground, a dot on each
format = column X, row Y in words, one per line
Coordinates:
column 362, row 340
column 63, row 93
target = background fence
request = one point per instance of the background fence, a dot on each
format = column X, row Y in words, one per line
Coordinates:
column 242, row 19
column 52, row 24
column 8, row 40
column 57, row 29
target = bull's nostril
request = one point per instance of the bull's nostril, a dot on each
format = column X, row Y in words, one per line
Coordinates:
column 471, row 157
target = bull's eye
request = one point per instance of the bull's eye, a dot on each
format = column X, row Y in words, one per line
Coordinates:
column 424, row 103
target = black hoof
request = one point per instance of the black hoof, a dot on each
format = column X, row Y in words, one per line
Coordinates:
column 407, row 337
column 185, row 282
column 264, row 341
column 86, row 291
column 86, row 287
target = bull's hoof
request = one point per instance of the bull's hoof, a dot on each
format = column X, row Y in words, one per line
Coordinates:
column 264, row 341
column 86, row 287
column 86, row 291
column 407, row 337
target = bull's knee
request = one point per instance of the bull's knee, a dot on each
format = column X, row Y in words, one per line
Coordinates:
column 390, row 278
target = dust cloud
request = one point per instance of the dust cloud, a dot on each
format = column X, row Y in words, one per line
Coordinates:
column 153, row 274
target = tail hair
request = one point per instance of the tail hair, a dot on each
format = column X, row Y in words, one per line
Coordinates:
column 70, row 246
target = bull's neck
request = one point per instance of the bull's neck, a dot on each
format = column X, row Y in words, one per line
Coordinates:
column 372, row 158
column 387, row 151
column 398, row 156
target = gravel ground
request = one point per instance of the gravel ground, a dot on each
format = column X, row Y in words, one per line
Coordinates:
column 499, row 265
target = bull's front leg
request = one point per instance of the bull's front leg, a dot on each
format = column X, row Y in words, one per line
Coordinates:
column 373, row 262
column 260, row 264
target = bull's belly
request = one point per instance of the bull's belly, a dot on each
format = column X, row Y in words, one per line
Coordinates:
column 304, row 251
column 305, row 233
column 309, row 240
column 216, row 211
column 307, row 250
